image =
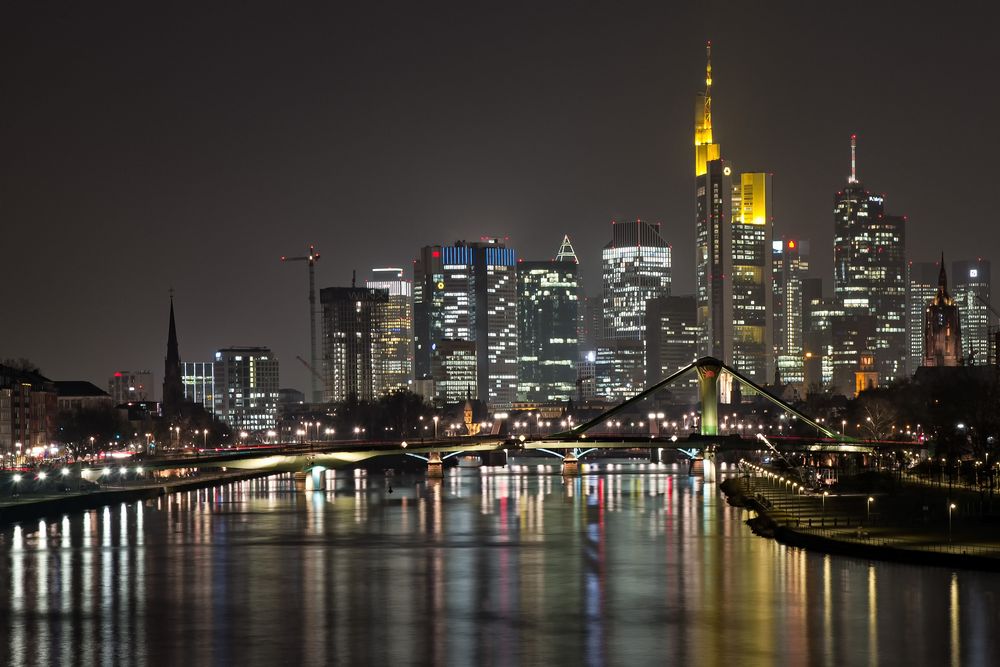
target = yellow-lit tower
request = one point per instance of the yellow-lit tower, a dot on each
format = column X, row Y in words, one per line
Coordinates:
column 704, row 149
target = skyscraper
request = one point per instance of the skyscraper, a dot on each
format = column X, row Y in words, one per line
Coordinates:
column 732, row 252
column 468, row 292
column 869, row 256
column 942, row 327
column 636, row 268
column 246, row 388
column 671, row 341
column 922, row 287
column 548, row 322
column 789, row 263
column 353, row 333
column 750, row 284
column 396, row 333
column 971, row 280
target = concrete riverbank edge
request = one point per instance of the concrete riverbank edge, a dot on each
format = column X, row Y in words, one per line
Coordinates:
column 764, row 525
column 71, row 503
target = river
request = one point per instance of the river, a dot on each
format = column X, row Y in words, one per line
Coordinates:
column 631, row 566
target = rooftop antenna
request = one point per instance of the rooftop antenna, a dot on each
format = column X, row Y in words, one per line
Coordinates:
column 854, row 162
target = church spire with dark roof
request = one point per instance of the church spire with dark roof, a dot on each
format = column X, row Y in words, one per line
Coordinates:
column 173, row 388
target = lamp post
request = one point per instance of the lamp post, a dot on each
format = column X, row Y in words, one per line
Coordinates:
column 869, row 507
column 825, row 494
column 951, row 508
column 436, row 418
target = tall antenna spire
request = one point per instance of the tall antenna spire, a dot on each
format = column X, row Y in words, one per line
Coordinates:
column 854, row 162
column 708, row 89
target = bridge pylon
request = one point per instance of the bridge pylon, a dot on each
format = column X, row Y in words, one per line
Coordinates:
column 435, row 466
column 709, row 370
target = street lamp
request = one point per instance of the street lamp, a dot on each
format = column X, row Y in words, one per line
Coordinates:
column 436, row 418
column 869, row 507
column 951, row 507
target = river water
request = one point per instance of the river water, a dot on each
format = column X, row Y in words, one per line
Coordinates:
column 488, row 567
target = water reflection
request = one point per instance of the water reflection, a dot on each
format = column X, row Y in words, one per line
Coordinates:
column 484, row 566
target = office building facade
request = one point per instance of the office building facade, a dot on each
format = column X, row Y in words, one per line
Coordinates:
column 971, row 282
column 548, row 325
column 246, row 388
column 198, row 380
column 395, row 339
column 131, row 386
column 468, row 292
column 636, row 267
column 352, row 336
column 870, row 273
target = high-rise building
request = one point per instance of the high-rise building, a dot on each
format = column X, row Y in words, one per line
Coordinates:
column 869, row 255
column 732, row 253
column 922, row 287
column 750, row 284
column 635, row 268
column 971, row 281
column 246, row 388
column 789, row 263
column 396, row 334
column 942, row 327
column 817, row 339
column 198, row 379
column 468, row 292
column 353, row 357
column 671, row 341
column 548, row 322
column 455, row 370
column 131, row 386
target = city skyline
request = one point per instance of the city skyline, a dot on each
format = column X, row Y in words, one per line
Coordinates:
column 241, row 206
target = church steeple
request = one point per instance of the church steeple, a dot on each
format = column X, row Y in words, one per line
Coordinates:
column 173, row 388
column 943, row 298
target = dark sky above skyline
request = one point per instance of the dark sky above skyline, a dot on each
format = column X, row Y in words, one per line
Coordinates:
column 190, row 145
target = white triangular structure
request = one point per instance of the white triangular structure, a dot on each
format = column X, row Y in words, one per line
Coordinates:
column 566, row 252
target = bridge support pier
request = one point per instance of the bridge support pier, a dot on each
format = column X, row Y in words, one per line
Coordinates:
column 435, row 467
column 656, row 454
column 300, row 480
column 316, row 480
column 708, row 469
column 570, row 465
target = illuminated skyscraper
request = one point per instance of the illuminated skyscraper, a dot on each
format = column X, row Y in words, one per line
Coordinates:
column 922, row 287
column 468, row 292
column 971, row 280
column 548, row 321
column 246, row 388
column 750, row 289
column 636, row 268
column 869, row 254
column 732, row 253
column 353, row 334
column 789, row 263
column 395, row 336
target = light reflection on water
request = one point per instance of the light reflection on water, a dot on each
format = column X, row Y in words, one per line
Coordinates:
column 482, row 567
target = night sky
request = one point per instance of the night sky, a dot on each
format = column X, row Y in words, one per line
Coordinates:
column 189, row 146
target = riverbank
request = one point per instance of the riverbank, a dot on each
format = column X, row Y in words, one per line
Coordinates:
column 28, row 507
column 792, row 519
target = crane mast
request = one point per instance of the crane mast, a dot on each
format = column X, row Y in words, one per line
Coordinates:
column 311, row 258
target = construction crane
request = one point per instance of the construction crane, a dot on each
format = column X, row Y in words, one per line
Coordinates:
column 311, row 369
column 311, row 258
